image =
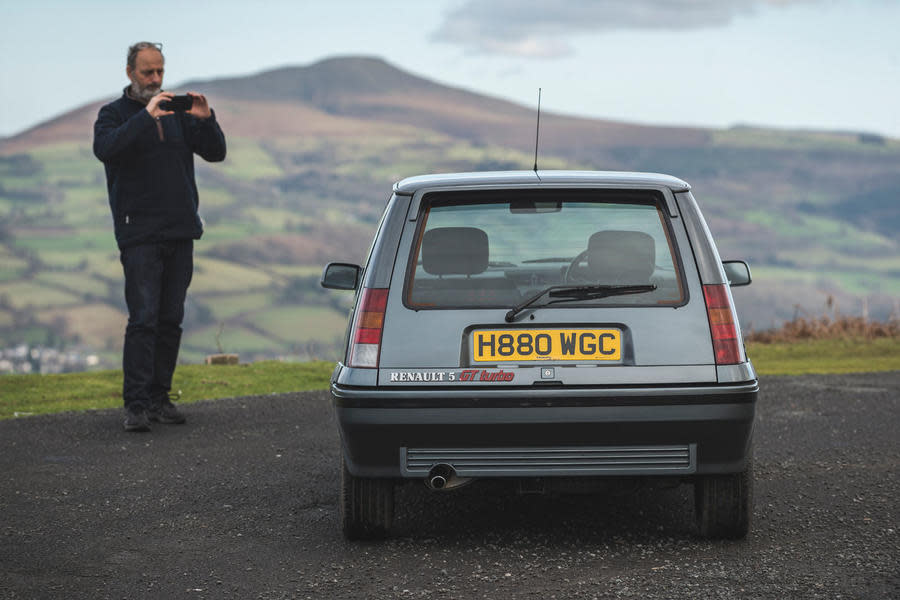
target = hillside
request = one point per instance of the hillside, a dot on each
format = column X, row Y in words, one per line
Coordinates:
column 313, row 152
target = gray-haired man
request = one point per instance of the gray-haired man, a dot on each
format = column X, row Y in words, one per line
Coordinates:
column 148, row 152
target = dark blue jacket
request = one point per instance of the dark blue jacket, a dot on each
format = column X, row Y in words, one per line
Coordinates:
column 150, row 170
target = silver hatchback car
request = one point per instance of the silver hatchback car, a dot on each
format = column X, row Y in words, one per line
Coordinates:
column 556, row 327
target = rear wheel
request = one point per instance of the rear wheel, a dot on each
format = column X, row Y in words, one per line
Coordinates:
column 724, row 504
column 367, row 506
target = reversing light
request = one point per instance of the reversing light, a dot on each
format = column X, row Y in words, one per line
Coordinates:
column 722, row 324
column 368, row 324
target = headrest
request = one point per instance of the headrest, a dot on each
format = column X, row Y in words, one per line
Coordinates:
column 621, row 257
column 455, row 251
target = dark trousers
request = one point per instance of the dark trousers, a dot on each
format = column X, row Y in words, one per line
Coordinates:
column 157, row 277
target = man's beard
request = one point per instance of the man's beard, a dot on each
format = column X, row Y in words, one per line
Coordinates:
column 143, row 93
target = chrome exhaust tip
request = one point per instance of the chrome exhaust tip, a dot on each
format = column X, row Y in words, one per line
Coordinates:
column 440, row 476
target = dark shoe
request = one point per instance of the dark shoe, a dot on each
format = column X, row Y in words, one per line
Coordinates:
column 136, row 419
column 166, row 413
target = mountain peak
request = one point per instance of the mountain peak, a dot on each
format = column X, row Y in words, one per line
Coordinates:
column 325, row 81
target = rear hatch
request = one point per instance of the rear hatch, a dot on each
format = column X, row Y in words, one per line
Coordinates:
column 527, row 286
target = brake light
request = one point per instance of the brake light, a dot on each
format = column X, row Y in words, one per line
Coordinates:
column 722, row 325
column 365, row 341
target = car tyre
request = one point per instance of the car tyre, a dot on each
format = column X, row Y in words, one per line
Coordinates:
column 367, row 506
column 724, row 504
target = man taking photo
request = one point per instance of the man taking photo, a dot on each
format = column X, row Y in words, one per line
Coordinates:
column 147, row 149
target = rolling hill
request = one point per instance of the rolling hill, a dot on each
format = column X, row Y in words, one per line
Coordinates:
column 313, row 152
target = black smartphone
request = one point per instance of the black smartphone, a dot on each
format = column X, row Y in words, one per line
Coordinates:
column 178, row 103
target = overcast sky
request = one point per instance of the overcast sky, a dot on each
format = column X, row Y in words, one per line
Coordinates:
column 823, row 64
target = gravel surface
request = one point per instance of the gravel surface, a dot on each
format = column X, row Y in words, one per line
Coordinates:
column 241, row 502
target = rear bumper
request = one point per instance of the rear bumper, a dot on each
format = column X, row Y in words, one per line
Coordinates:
column 626, row 431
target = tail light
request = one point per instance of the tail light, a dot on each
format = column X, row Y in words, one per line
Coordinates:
column 722, row 325
column 365, row 340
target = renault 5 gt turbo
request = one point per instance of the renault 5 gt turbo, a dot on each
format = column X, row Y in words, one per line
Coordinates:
column 556, row 328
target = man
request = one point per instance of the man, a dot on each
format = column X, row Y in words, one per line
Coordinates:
column 148, row 153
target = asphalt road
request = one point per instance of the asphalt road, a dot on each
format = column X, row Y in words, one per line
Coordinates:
column 241, row 502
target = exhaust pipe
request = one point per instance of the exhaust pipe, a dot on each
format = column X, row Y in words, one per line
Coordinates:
column 439, row 476
column 443, row 477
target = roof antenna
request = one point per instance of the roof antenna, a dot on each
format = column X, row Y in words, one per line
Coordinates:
column 537, row 132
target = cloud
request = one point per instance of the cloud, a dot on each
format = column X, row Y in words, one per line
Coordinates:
column 541, row 28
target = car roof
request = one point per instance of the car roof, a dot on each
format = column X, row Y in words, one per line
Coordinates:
column 411, row 185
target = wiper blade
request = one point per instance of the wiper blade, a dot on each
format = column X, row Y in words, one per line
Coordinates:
column 580, row 292
column 601, row 291
column 549, row 259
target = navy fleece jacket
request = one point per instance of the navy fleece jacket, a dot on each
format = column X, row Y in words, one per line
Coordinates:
column 150, row 170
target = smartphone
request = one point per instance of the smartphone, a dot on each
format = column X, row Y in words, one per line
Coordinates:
column 178, row 103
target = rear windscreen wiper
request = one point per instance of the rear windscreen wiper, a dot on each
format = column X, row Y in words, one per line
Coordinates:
column 580, row 292
column 600, row 291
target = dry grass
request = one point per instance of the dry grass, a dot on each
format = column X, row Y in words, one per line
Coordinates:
column 830, row 325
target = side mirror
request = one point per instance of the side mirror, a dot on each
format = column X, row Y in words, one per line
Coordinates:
column 341, row 276
column 737, row 272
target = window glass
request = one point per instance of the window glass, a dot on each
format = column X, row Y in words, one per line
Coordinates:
column 496, row 249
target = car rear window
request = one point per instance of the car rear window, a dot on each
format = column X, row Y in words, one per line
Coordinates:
column 493, row 249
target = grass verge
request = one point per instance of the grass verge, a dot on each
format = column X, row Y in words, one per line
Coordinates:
column 22, row 395
column 836, row 355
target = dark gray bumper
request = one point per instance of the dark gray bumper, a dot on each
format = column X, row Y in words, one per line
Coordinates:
column 713, row 424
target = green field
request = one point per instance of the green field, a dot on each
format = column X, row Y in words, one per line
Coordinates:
column 216, row 276
column 313, row 323
column 248, row 160
column 34, row 295
column 232, row 339
column 826, row 356
column 228, row 306
column 81, row 284
column 22, row 395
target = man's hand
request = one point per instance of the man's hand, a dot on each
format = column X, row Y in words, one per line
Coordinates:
column 153, row 106
column 200, row 108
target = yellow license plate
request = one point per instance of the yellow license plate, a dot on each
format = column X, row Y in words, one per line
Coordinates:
column 505, row 345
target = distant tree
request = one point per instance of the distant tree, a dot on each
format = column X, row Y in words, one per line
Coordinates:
column 872, row 138
column 19, row 165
